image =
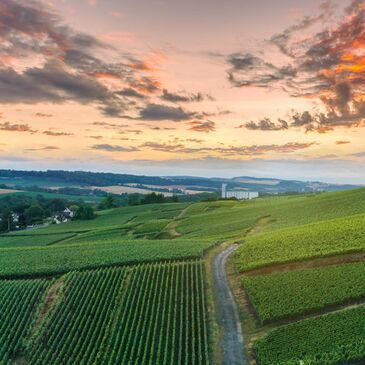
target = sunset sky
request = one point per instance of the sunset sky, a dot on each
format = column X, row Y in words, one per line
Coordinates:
column 171, row 87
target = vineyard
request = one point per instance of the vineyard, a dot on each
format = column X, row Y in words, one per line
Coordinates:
column 289, row 294
column 130, row 286
column 337, row 338
column 18, row 302
column 10, row 241
column 23, row 262
column 333, row 237
column 145, row 314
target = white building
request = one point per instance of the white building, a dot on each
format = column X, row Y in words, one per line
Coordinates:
column 240, row 195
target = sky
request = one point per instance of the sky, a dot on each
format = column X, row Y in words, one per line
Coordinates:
column 168, row 87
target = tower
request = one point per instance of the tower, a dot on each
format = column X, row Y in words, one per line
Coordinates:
column 224, row 187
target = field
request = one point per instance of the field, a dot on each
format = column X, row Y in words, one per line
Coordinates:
column 131, row 287
column 337, row 338
column 151, row 312
column 305, row 281
column 34, row 194
column 8, row 191
column 23, row 262
column 12, row 241
column 332, row 237
column 291, row 294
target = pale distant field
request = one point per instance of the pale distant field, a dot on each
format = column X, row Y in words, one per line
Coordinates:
column 8, row 191
column 171, row 187
column 127, row 189
column 262, row 182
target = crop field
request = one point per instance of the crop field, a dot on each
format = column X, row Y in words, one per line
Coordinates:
column 289, row 294
column 145, row 314
column 23, row 262
column 18, row 302
column 338, row 236
column 336, row 338
column 129, row 286
column 233, row 219
column 8, row 241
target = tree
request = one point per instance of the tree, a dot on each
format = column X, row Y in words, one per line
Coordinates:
column 109, row 202
column 34, row 214
column 7, row 223
column 74, row 208
column 153, row 198
column 85, row 212
column 57, row 205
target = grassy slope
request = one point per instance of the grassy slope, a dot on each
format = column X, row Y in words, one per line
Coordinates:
column 327, row 238
column 112, row 218
column 234, row 219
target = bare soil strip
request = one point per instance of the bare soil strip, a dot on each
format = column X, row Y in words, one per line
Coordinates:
column 310, row 263
column 48, row 303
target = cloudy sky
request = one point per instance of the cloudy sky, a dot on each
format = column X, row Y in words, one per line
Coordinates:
column 170, row 87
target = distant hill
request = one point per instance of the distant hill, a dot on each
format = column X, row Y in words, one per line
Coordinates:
column 174, row 184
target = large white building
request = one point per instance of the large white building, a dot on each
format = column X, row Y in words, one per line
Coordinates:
column 240, row 195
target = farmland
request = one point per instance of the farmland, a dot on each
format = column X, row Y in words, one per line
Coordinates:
column 11, row 241
column 290, row 294
column 338, row 236
column 23, row 262
column 101, row 317
column 145, row 269
column 329, row 339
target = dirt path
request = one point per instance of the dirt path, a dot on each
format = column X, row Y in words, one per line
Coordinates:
column 227, row 313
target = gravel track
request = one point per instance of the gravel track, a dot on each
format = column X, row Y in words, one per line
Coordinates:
column 227, row 313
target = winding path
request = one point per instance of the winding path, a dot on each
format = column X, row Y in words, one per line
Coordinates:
column 227, row 313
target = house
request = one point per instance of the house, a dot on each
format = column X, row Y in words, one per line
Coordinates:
column 240, row 195
column 68, row 213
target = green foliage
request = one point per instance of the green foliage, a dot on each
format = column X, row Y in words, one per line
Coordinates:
column 85, row 212
column 55, row 259
column 108, row 202
column 18, row 300
column 293, row 293
column 153, row 226
column 332, row 237
column 6, row 223
column 148, row 314
column 34, row 214
column 336, row 338
column 31, row 240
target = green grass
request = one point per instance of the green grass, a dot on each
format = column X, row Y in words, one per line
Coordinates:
column 294, row 293
column 34, row 194
column 233, row 219
column 56, row 259
column 32, row 240
column 321, row 239
column 151, row 227
column 111, row 218
column 101, row 235
column 336, row 338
